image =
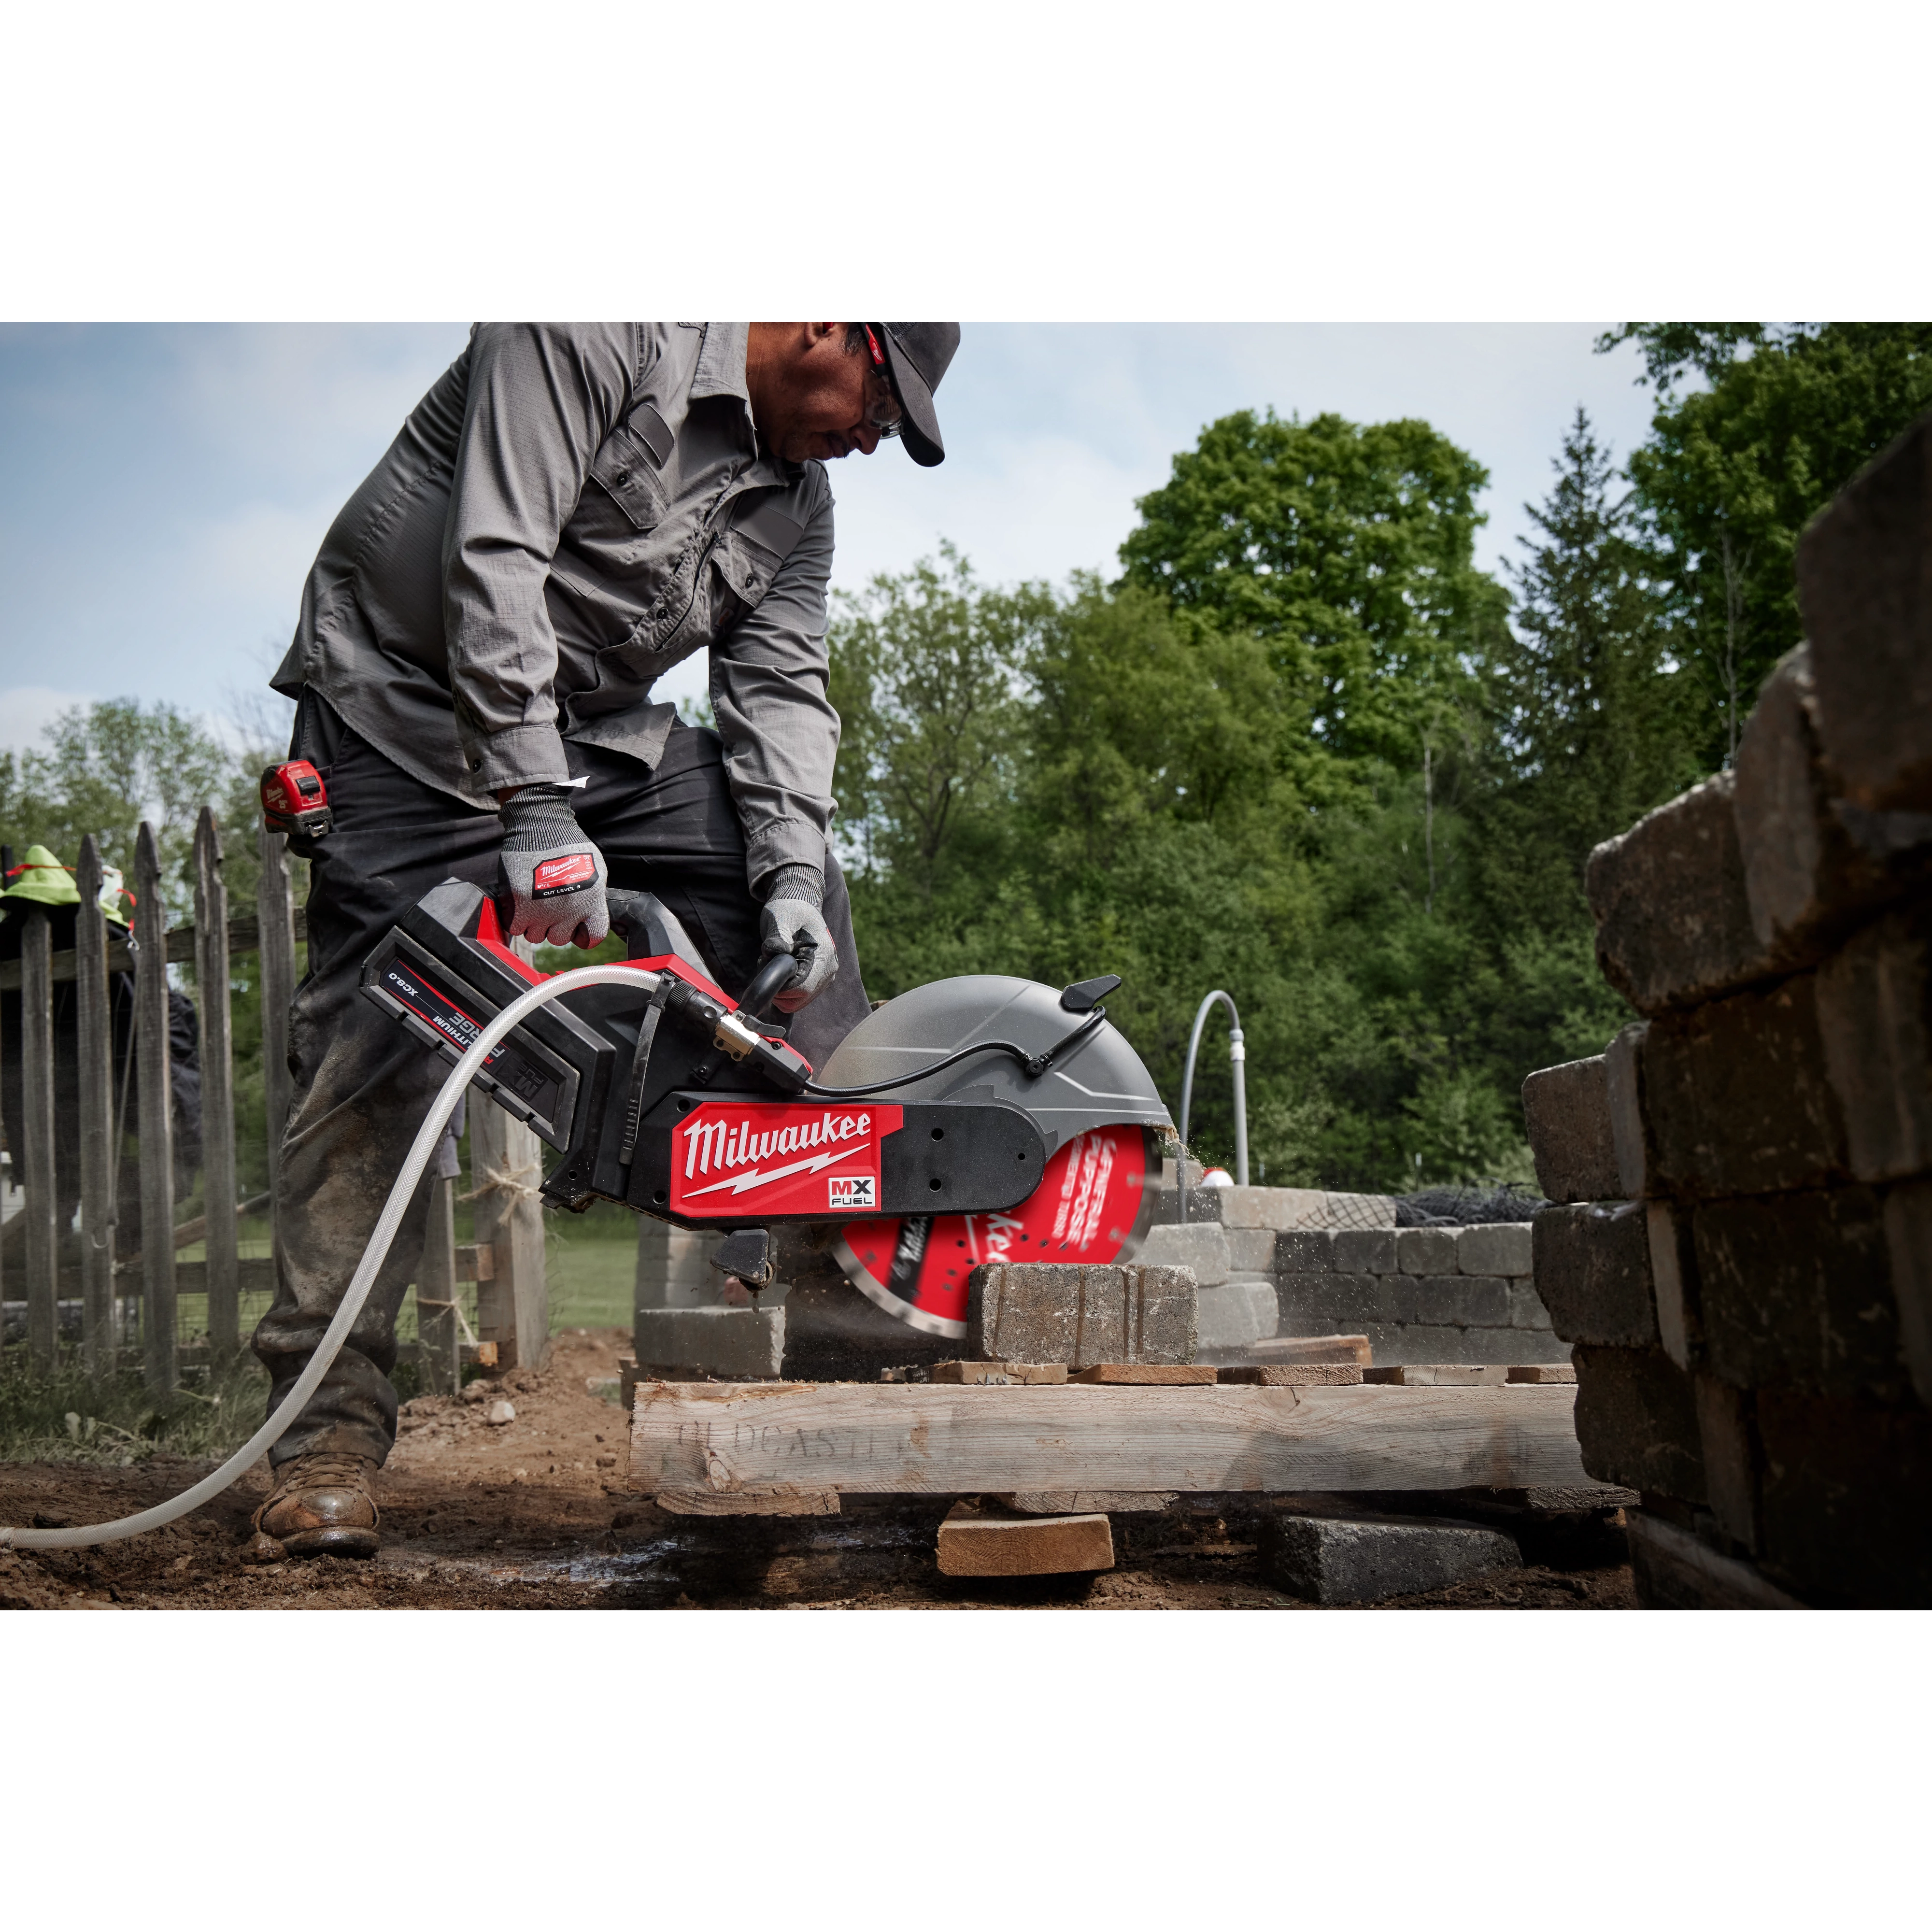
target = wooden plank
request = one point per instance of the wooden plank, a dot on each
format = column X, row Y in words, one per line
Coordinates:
column 505, row 1170
column 1294, row 1375
column 872, row 1437
column 1042, row 1546
column 94, row 1049
column 41, row 1207
column 774, row 1501
column 275, row 924
column 218, row 1083
column 255, row 1274
column 1082, row 1502
column 243, row 936
column 156, row 1120
column 1439, row 1374
column 1544, row 1372
column 1000, row 1375
column 439, row 1335
column 1146, row 1375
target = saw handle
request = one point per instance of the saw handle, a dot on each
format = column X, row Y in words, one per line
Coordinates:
column 767, row 983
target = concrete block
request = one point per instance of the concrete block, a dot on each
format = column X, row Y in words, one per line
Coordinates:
column 1736, row 1098
column 1037, row 1312
column 1501, row 1247
column 1623, row 1089
column 673, row 1267
column 1908, row 1240
column 735, row 1342
column 1675, row 1571
column 1359, row 1210
column 1637, row 1422
column 1327, row 1304
column 1425, row 1251
column 1410, row 1343
column 1806, row 878
column 1796, row 1290
column 1201, row 1246
column 1251, row 1251
column 1467, row 1300
column 1526, row 1309
column 1847, row 1495
column 1272, row 1207
column 1673, row 1282
column 1726, row 1429
column 1567, row 1111
column 1237, row 1313
column 1593, row 1274
column 1874, row 998
column 1865, row 592
column 1305, row 1251
column 1673, row 924
column 1204, row 1203
column 1041, row 1546
column 1365, row 1251
column 1342, row 1560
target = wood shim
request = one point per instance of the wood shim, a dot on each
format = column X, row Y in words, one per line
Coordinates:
column 869, row 1438
column 1047, row 1546
column 1294, row 1375
column 1439, row 1374
column 999, row 1374
column 1544, row 1372
column 1313, row 1348
column 1082, row 1502
column 1146, row 1375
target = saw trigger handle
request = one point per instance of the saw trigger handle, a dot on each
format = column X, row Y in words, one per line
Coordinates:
column 767, row 983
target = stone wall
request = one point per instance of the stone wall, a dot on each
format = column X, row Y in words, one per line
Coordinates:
column 1743, row 1255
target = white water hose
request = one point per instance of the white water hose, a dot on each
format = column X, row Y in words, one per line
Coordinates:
column 373, row 1256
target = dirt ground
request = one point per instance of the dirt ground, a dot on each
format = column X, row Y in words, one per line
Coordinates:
column 533, row 1514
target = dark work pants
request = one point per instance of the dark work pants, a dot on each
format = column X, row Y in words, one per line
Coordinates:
column 362, row 1085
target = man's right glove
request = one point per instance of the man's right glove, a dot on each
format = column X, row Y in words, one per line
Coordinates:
column 549, row 874
column 792, row 923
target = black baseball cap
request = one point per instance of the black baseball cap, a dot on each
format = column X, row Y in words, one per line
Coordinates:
column 916, row 355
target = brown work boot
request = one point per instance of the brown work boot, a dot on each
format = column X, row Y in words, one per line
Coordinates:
column 323, row 1505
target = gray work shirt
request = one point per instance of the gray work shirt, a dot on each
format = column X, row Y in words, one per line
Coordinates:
column 568, row 513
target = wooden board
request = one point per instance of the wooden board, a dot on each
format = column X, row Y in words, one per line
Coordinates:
column 1544, row 1372
column 1313, row 1348
column 1146, row 1375
column 1000, row 1375
column 878, row 1438
column 1293, row 1374
column 1044, row 1546
column 749, row 1502
column 1084, row 1502
column 1440, row 1375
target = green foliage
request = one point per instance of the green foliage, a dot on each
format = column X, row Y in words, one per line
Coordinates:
column 1347, row 548
column 1734, row 469
column 65, row 1417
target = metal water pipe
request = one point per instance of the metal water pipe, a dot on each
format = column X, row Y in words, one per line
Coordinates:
column 1238, row 1055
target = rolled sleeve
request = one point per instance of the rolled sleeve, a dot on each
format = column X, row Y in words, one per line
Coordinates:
column 769, row 678
column 540, row 402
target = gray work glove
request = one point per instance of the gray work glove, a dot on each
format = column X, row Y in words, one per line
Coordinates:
column 792, row 923
column 550, row 876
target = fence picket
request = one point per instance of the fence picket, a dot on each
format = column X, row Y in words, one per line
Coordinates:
column 439, row 1352
column 156, row 1126
column 218, row 1085
column 37, row 1131
column 275, row 929
column 99, row 1157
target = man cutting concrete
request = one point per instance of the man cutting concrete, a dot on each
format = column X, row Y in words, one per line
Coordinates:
column 568, row 514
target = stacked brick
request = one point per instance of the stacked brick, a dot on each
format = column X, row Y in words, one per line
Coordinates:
column 1294, row 1261
column 1744, row 1257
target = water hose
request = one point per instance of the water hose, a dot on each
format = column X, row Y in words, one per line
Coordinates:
column 373, row 1256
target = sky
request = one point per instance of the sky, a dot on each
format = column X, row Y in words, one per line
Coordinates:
column 163, row 487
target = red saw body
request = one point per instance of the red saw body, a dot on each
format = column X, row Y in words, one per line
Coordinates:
column 975, row 1120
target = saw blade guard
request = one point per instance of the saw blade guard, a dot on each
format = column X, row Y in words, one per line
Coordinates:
column 1096, row 1107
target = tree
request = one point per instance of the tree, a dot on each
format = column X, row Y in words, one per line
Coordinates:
column 1347, row 548
column 1734, row 470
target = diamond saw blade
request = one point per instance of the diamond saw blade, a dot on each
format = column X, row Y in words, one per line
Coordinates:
column 1092, row 1205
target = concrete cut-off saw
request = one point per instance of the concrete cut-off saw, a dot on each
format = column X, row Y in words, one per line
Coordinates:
column 978, row 1119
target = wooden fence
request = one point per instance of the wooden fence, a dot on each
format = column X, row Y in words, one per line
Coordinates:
column 506, row 1261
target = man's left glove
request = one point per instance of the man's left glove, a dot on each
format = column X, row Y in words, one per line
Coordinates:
column 792, row 923
column 550, row 876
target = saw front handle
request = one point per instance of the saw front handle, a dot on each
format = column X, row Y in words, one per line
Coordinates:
column 767, row 983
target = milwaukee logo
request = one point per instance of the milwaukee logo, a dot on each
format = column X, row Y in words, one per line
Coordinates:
column 563, row 875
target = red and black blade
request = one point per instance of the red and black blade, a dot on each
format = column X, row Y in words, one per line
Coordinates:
column 1092, row 1205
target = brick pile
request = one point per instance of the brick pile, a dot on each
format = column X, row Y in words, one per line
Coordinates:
column 1743, row 1255
column 1294, row 1261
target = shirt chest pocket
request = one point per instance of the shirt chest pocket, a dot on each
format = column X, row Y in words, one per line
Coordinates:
column 628, row 472
column 752, row 552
